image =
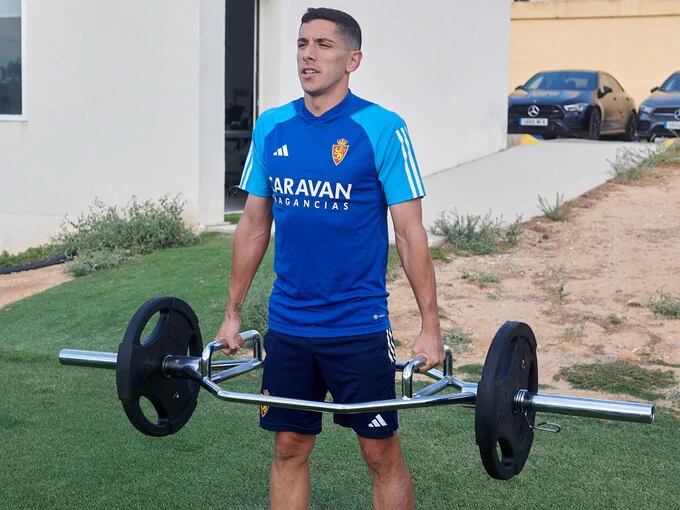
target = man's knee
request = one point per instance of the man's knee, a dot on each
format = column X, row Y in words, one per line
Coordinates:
column 381, row 454
column 291, row 446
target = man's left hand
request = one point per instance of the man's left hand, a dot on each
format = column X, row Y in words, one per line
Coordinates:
column 432, row 347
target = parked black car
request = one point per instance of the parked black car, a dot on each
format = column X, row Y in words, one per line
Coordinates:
column 572, row 103
column 660, row 113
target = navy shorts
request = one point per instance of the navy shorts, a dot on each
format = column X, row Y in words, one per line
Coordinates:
column 352, row 368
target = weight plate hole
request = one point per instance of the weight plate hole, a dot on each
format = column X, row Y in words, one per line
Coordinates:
column 148, row 409
column 150, row 327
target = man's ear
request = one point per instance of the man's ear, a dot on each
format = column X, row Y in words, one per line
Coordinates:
column 354, row 61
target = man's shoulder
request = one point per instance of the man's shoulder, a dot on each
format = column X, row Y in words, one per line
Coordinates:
column 375, row 118
column 273, row 116
column 374, row 114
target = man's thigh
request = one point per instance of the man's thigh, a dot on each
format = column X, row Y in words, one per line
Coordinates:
column 361, row 369
column 290, row 371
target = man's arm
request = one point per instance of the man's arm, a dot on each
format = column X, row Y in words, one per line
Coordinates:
column 250, row 243
column 415, row 257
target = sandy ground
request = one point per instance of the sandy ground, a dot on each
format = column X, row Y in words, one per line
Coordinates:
column 16, row 286
column 583, row 285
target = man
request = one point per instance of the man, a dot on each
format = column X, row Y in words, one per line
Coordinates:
column 325, row 168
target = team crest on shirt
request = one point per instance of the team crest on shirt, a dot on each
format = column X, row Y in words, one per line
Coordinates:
column 264, row 408
column 339, row 151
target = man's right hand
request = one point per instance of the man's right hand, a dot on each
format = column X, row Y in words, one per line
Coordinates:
column 228, row 333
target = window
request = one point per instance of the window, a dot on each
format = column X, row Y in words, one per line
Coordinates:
column 11, row 100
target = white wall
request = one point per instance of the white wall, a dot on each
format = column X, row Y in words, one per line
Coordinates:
column 441, row 64
column 115, row 106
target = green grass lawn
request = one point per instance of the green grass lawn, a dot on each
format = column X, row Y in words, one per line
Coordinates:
column 65, row 441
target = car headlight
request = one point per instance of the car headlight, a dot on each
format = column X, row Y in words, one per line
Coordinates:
column 576, row 107
column 646, row 109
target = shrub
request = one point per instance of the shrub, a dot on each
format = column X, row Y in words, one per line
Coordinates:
column 109, row 234
column 476, row 234
column 665, row 306
column 631, row 164
column 554, row 211
column 91, row 261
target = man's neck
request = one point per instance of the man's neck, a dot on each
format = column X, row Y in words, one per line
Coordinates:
column 318, row 105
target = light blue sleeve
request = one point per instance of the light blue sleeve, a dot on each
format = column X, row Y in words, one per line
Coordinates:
column 255, row 177
column 395, row 159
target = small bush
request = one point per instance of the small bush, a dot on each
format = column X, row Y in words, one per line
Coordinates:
column 481, row 279
column 618, row 377
column 631, row 164
column 473, row 234
column 91, row 261
column 575, row 331
column 556, row 211
column 665, row 306
column 108, row 234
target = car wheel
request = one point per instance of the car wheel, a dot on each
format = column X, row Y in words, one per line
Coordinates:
column 631, row 128
column 595, row 125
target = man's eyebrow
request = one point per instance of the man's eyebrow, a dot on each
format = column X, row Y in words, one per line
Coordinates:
column 317, row 40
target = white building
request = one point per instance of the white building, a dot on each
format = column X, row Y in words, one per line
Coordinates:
column 115, row 99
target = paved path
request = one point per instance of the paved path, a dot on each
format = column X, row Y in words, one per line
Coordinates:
column 507, row 183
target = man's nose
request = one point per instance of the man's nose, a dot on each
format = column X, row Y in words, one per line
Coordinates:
column 308, row 54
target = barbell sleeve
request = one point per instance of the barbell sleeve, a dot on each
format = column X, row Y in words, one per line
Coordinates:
column 92, row 359
column 586, row 407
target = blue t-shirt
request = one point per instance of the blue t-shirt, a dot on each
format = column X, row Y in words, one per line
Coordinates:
column 331, row 178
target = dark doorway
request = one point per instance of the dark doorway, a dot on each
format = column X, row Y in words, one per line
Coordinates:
column 239, row 94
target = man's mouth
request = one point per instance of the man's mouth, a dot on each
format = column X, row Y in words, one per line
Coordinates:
column 308, row 71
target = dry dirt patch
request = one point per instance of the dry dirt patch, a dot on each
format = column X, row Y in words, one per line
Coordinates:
column 16, row 286
column 583, row 285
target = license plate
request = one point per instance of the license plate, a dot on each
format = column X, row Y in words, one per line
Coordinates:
column 673, row 124
column 533, row 122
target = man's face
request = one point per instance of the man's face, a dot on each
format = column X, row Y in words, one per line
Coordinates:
column 323, row 57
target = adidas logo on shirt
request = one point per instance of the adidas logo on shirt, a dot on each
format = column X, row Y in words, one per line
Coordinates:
column 377, row 422
column 282, row 151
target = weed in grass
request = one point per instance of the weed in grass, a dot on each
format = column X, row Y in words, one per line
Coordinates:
column 481, row 279
column 474, row 234
column 575, row 331
column 631, row 164
column 232, row 218
column 555, row 211
column 664, row 305
column 492, row 296
column 457, row 339
column 473, row 370
column 618, row 377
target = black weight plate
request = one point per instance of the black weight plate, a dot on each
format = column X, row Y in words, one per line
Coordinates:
column 139, row 366
column 510, row 366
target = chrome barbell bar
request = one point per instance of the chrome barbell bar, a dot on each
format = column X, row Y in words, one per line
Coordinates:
column 209, row 373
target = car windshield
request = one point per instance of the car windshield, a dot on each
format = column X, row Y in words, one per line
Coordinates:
column 672, row 84
column 563, row 80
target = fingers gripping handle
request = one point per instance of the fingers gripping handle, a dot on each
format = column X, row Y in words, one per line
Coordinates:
column 407, row 375
column 247, row 336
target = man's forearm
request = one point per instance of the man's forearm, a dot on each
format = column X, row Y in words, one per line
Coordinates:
column 250, row 244
column 415, row 258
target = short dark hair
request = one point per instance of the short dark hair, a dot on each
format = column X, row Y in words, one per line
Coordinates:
column 347, row 25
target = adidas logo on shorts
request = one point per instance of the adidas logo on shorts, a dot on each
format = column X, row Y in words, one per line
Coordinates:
column 377, row 422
